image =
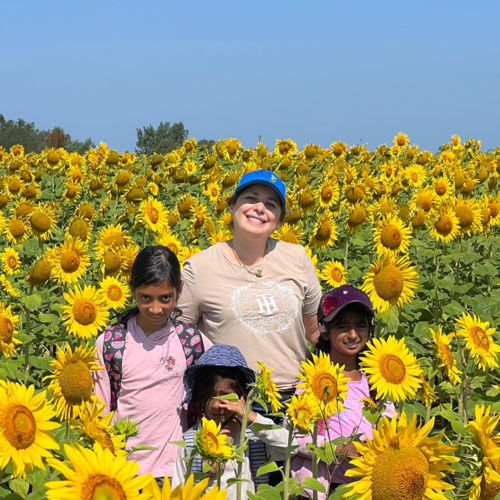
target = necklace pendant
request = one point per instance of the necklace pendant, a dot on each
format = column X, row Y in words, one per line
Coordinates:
column 259, row 273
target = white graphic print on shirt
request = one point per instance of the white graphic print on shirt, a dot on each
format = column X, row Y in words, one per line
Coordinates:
column 264, row 307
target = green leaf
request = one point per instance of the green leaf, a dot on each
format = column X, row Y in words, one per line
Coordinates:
column 48, row 318
column 236, row 480
column 19, row 486
column 313, row 484
column 267, row 468
column 265, row 427
column 141, row 447
column 228, row 397
column 13, row 496
column 459, row 428
column 182, row 444
column 32, row 302
column 449, row 415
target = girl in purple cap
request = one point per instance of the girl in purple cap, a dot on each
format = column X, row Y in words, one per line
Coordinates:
column 255, row 292
column 346, row 320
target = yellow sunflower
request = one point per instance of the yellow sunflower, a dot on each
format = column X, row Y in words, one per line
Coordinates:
column 401, row 462
column 79, row 228
column 97, row 474
column 115, row 291
column 41, row 272
column 10, row 261
column 267, row 388
column 71, row 384
column 98, row 429
column 170, row 241
column 445, row 225
column 391, row 281
column 127, row 255
column 391, row 237
column 285, row 147
column 334, row 274
column 324, row 233
column 443, row 187
column 69, row 260
column 416, row 175
column 43, row 221
column 468, row 214
column 356, row 215
column 16, row 230
column 479, row 340
column 486, row 485
column 8, row 286
column 86, row 313
column 213, row 191
column 25, row 425
column 427, row 393
column 424, row 199
column 328, row 193
column 401, row 140
column 314, row 260
column 210, row 443
column 112, row 236
column 291, row 233
column 303, row 411
column 325, row 382
column 8, row 322
column 187, row 491
column 391, row 368
column 442, row 345
column 153, row 215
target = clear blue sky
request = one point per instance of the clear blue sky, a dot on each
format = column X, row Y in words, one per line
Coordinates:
column 315, row 71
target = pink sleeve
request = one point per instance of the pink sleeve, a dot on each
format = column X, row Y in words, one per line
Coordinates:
column 102, row 387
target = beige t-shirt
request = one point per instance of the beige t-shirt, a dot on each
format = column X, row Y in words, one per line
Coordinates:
column 260, row 316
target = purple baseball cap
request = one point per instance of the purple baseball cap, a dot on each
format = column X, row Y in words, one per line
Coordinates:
column 337, row 299
column 263, row 178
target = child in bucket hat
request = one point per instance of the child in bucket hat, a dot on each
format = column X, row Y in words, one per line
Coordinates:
column 220, row 371
column 346, row 320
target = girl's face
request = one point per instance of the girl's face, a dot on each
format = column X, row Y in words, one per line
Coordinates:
column 155, row 303
column 257, row 211
column 349, row 336
column 213, row 408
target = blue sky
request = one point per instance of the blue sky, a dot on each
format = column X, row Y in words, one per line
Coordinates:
column 316, row 71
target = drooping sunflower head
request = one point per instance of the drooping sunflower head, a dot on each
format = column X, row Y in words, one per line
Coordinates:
column 267, row 388
column 391, row 237
column 71, row 384
column 324, row 233
column 442, row 344
column 8, row 331
column 303, row 411
column 210, row 443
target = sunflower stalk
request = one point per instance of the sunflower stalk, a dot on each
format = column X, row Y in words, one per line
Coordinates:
column 314, row 457
column 286, row 479
column 190, row 461
column 243, row 435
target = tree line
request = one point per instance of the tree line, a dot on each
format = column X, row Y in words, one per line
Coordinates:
column 162, row 139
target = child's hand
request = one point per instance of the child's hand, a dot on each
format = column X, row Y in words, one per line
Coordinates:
column 238, row 408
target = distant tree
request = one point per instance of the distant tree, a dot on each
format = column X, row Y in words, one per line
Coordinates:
column 57, row 138
column 76, row 146
column 21, row 132
column 206, row 142
column 161, row 140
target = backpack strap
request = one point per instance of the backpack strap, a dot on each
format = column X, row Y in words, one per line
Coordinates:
column 113, row 349
column 191, row 341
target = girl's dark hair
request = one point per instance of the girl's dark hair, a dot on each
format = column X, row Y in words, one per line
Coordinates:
column 206, row 379
column 350, row 312
column 152, row 266
column 234, row 198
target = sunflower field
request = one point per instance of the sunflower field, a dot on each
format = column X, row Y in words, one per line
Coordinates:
column 418, row 231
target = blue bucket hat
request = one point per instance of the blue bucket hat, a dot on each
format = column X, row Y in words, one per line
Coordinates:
column 263, row 178
column 218, row 355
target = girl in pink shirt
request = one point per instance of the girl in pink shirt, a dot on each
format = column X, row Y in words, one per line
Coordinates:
column 145, row 356
column 346, row 320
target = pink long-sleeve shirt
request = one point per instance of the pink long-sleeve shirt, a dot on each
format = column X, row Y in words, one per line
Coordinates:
column 151, row 393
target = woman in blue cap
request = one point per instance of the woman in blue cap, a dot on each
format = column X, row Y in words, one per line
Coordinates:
column 254, row 292
column 220, row 371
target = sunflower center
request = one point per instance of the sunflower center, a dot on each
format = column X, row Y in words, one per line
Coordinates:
column 325, row 387
column 102, row 487
column 337, row 274
column 114, row 293
column 19, row 426
column 392, row 369
column 324, row 232
column 310, row 152
column 112, row 262
column 479, row 337
column 465, row 216
column 212, row 442
column 400, row 473
column 441, row 188
column 425, row 203
column 14, row 186
column 358, row 215
column 391, row 236
column 326, row 194
column 490, row 490
column 84, row 311
column 70, row 261
column 444, row 225
column 17, row 228
column 40, row 221
column 6, row 329
column 389, row 282
column 79, row 229
column 12, row 261
column 494, row 209
column 53, row 157
column 76, row 382
column 414, row 176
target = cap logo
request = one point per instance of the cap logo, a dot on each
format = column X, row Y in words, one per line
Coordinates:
column 273, row 179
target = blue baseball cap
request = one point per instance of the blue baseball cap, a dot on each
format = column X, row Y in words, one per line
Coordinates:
column 263, row 178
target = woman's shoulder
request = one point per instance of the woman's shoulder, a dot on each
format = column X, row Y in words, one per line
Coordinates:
column 289, row 248
column 208, row 254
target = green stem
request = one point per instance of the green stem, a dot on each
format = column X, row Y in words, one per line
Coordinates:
column 286, row 479
column 68, row 431
column 315, row 458
column 190, row 463
column 218, row 474
column 243, row 435
column 27, row 312
column 143, row 237
column 346, row 253
column 436, row 288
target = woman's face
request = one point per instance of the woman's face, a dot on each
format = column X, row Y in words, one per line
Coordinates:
column 257, row 211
